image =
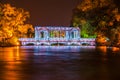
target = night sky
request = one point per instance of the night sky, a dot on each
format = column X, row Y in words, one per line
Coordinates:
column 47, row 12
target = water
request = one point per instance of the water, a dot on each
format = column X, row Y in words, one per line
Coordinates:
column 59, row 63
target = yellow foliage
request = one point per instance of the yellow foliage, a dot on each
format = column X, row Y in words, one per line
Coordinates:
column 117, row 17
column 102, row 23
column 101, row 39
column 24, row 28
column 110, row 23
column 13, row 20
column 8, row 10
column 14, row 41
column 82, row 21
column 115, row 11
column 87, row 5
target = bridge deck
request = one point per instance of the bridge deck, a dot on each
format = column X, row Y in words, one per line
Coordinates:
column 25, row 41
column 53, row 35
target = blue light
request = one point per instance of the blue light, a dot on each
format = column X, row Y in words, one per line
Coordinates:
column 71, row 36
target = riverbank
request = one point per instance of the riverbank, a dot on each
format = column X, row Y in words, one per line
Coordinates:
column 7, row 45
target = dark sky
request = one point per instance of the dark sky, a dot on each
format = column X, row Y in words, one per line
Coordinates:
column 47, row 12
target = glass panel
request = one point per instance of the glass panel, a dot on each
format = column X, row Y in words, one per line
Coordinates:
column 57, row 34
column 51, row 34
column 62, row 34
column 72, row 33
column 42, row 34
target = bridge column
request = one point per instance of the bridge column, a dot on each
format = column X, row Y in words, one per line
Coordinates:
column 77, row 35
column 46, row 35
column 36, row 34
column 74, row 34
column 67, row 36
column 70, row 36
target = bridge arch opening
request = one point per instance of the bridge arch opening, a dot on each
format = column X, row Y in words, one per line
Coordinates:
column 85, row 44
column 44, row 44
column 30, row 44
column 58, row 44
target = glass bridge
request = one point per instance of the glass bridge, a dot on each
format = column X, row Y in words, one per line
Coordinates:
column 57, row 35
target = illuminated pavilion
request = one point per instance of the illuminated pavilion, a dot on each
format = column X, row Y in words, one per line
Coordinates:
column 49, row 35
column 57, row 33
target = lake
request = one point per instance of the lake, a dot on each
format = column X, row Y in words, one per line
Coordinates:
column 59, row 63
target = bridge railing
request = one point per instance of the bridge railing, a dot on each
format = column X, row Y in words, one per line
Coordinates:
column 87, row 39
column 80, row 41
column 58, row 39
column 26, row 39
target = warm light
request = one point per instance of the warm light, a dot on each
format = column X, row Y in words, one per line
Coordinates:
column 115, row 49
column 17, row 43
column 102, row 49
column 11, row 58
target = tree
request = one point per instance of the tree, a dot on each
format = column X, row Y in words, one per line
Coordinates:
column 102, row 16
column 13, row 22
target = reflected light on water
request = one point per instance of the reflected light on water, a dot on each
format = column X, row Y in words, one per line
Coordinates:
column 102, row 49
column 115, row 49
column 58, row 63
column 17, row 53
column 11, row 54
column 10, row 57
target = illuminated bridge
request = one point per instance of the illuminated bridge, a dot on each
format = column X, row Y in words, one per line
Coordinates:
column 57, row 36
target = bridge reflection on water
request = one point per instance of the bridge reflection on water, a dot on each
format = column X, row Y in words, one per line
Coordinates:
column 59, row 63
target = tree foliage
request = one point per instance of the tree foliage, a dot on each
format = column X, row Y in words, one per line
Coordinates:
column 13, row 22
column 102, row 15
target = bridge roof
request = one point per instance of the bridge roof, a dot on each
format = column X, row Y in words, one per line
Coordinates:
column 55, row 28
